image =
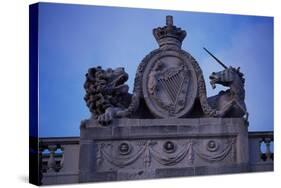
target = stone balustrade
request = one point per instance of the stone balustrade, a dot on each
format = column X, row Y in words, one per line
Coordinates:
column 59, row 160
column 261, row 150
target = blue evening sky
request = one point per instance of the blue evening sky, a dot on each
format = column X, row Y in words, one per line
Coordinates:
column 73, row 38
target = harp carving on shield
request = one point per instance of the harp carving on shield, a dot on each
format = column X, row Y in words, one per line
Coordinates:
column 169, row 88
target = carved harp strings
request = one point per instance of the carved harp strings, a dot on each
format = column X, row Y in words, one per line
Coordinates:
column 172, row 84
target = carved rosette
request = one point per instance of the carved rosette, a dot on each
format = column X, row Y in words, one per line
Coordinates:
column 213, row 150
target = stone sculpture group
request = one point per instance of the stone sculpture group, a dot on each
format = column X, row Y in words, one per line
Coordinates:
column 168, row 126
column 169, row 84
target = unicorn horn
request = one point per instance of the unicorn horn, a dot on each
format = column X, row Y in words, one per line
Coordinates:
column 221, row 63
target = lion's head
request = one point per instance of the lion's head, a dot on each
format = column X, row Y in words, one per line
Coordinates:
column 104, row 89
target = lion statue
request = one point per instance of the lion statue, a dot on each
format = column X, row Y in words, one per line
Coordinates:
column 106, row 93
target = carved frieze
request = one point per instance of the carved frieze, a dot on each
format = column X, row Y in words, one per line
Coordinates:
column 152, row 154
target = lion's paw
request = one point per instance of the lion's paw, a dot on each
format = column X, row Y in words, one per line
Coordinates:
column 105, row 118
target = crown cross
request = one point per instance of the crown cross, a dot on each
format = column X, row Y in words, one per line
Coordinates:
column 169, row 34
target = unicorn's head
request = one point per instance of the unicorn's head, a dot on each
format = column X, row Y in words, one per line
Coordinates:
column 227, row 77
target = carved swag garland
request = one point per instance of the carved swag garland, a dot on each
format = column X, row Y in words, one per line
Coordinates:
column 171, row 157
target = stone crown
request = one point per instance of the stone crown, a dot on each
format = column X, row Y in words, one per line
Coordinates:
column 169, row 34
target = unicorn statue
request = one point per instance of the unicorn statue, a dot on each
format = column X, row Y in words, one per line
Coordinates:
column 231, row 102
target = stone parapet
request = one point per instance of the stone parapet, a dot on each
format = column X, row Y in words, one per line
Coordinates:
column 156, row 148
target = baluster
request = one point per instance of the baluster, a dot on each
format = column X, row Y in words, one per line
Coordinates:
column 268, row 153
column 270, row 148
column 261, row 147
column 52, row 161
column 61, row 155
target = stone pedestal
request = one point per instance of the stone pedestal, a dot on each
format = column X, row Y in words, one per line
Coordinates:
column 155, row 148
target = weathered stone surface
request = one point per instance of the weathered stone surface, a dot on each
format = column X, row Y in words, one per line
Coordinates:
column 140, row 149
column 106, row 92
column 169, row 83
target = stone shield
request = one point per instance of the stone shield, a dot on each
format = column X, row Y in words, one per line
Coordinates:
column 170, row 83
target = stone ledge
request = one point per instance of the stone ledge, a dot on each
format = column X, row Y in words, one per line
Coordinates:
column 169, row 173
column 147, row 128
column 125, row 122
